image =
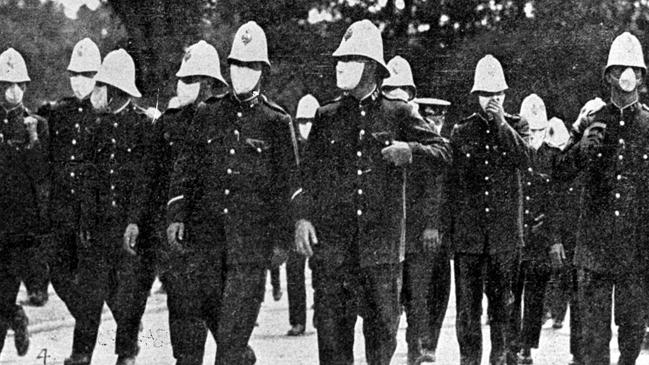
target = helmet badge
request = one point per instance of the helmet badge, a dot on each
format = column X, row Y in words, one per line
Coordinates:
column 246, row 37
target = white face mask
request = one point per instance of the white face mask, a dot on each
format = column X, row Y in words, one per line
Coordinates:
column 400, row 94
column 484, row 100
column 14, row 94
column 305, row 129
column 82, row 86
column 99, row 98
column 187, row 93
column 244, row 79
column 537, row 136
column 349, row 74
column 627, row 80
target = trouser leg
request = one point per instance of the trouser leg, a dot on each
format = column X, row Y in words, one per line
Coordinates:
column 533, row 304
column 438, row 296
column 336, row 307
column 575, row 314
column 243, row 288
column 417, row 272
column 9, row 286
column 630, row 315
column 468, row 297
column 501, row 270
column 380, row 309
column 295, row 283
column 595, row 291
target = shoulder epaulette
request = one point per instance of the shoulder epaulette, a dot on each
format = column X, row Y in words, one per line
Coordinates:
column 471, row 117
column 514, row 117
column 331, row 101
column 215, row 98
column 645, row 107
column 272, row 104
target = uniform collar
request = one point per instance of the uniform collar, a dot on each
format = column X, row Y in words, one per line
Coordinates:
column 251, row 99
column 632, row 107
column 11, row 110
column 367, row 99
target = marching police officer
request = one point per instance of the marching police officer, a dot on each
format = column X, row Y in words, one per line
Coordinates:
column 230, row 193
column 199, row 81
column 352, row 209
column 23, row 187
column 306, row 109
column 71, row 121
column 543, row 246
column 115, row 261
column 610, row 149
column 482, row 215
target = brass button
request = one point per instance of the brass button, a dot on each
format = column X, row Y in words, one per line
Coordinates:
column 239, row 114
column 226, row 192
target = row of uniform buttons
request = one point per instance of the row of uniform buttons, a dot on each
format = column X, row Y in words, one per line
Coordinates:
column 359, row 155
column 229, row 171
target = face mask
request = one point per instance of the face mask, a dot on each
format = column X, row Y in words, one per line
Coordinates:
column 627, row 80
column 436, row 122
column 537, row 136
column 305, row 129
column 99, row 98
column 187, row 93
column 244, row 79
column 399, row 94
column 14, row 94
column 82, row 86
column 484, row 100
column 349, row 74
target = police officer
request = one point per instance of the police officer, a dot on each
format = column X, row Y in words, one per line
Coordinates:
column 199, row 81
column 115, row 262
column 543, row 246
column 70, row 121
column 306, row 109
column 434, row 111
column 23, row 187
column 230, row 193
column 483, row 213
column 352, row 209
column 610, row 149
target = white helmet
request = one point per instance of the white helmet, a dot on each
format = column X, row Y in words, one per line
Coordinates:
column 363, row 38
column 489, row 76
column 250, row 44
column 118, row 70
column 400, row 75
column 432, row 102
column 557, row 135
column 306, row 107
column 533, row 110
column 201, row 59
column 626, row 50
column 85, row 57
column 12, row 67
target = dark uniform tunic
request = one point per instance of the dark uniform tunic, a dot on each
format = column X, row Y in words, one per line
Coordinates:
column 483, row 220
column 231, row 187
column 541, row 202
column 612, row 240
column 71, row 123
column 356, row 202
column 24, row 190
column 119, row 194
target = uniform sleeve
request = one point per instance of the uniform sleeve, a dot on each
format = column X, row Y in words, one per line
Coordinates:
column 425, row 143
column 570, row 162
column 514, row 140
column 140, row 202
column 449, row 194
column 185, row 175
column 303, row 198
column 285, row 177
column 36, row 163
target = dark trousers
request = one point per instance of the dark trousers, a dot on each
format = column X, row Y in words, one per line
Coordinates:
column 493, row 275
column 295, row 283
column 9, row 286
column 203, row 293
column 563, row 293
column 106, row 273
column 346, row 292
column 596, row 292
column 529, row 299
column 63, row 265
column 425, row 294
column 35, row 272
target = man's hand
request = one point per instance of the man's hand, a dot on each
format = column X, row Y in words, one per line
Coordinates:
column 557, row 255
column 278, row 257
column 593, row 138
column 431, row 239
column 305, row 237
column 31, row 124
column 399, row 153
column 586, row 114
column 175, row 234
column 130, row 239
column 495, row 109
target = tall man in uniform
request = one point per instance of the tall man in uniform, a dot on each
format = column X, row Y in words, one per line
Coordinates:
column 116, row 264
column 199, row 81
column 352, row 211
column 230, row 193
column 483, row 213
column 543, row 248
column 23, row 188
column 306, row 109
column 611, row 151
column 71, row 121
